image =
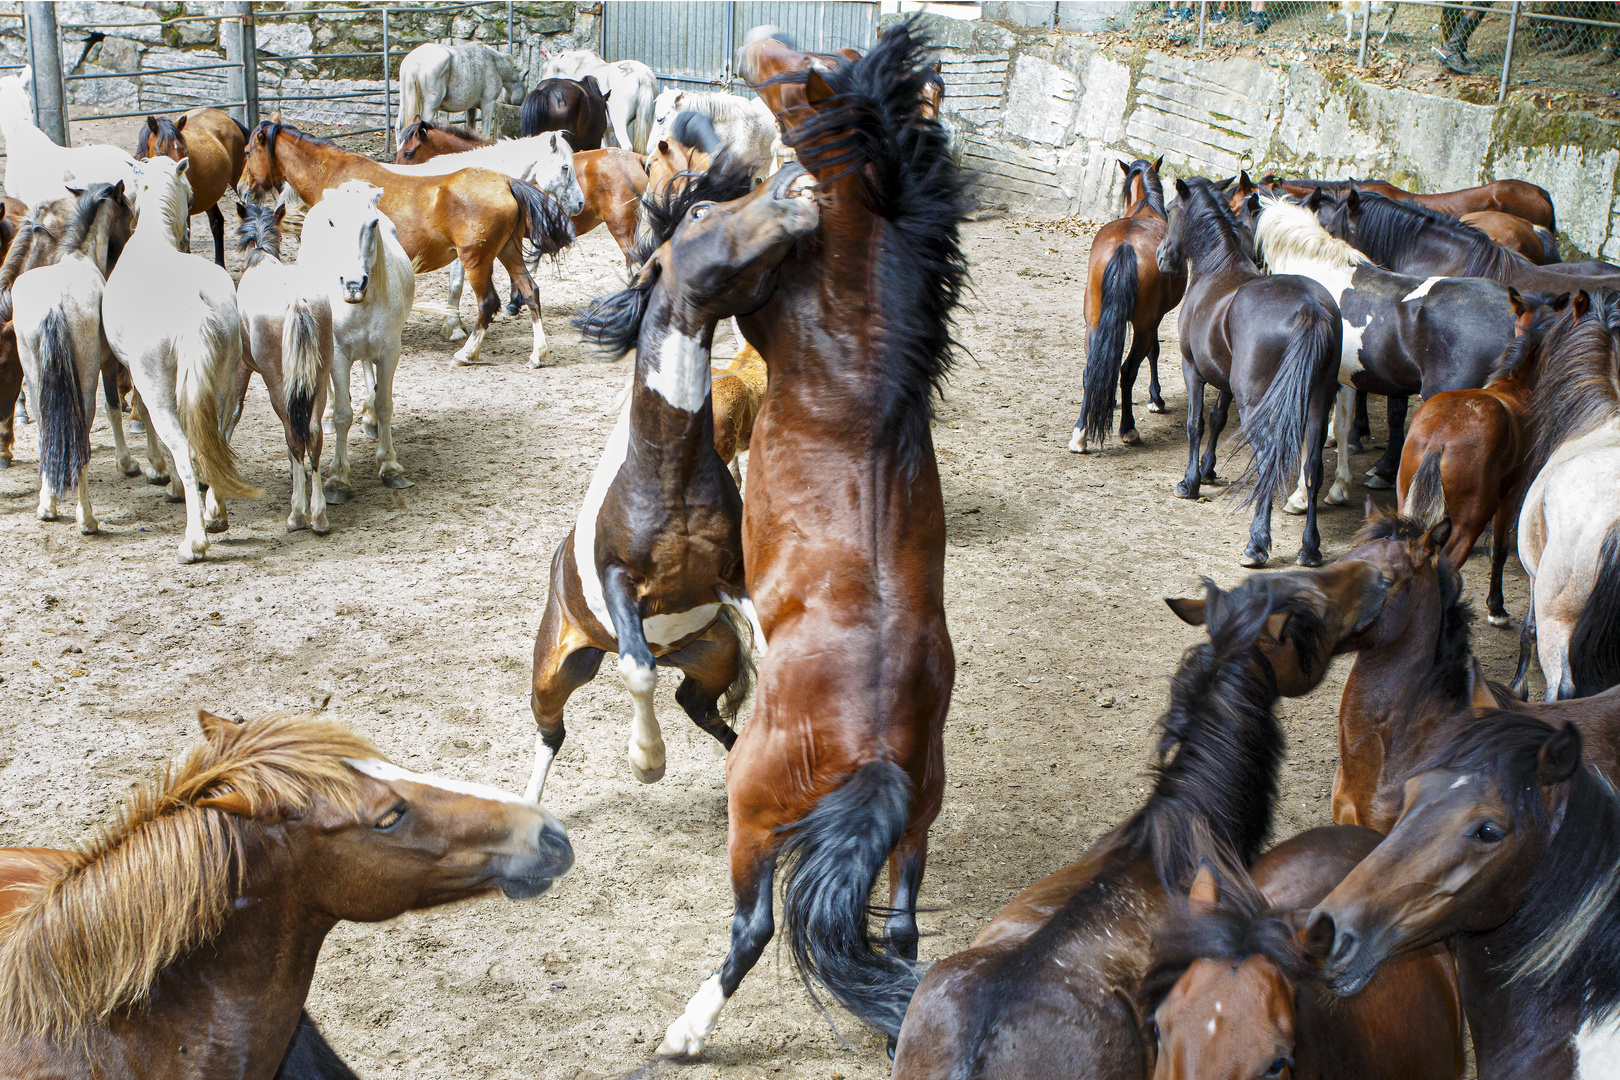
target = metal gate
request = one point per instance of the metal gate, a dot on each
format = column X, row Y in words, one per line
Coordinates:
column 690, row 43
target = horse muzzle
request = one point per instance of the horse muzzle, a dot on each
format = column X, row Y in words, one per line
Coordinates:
column 354, row 292
column 794, row 190
column 546, row 857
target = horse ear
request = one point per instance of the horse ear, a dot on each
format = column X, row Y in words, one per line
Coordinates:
column 1436, row 538
column 1245, row 185
column 1252, row 203
column 1520, row 307
column 1314, row 201
column 1222, row 185
column 1581, row 304
column 1182, row 189
column 182, row 166
column 275, row 117
column 1124, row 166
column 241, row 210
column 151, row 124
column 216, row 728
column 1352, row 198
column 1158, row 163
column 1189, row 609
column 281, row 212
column 816, row 89
column 1373, row 513
column 232, row 802
column 1559, row 756
column 1206, row 890
column 1561, row 302
column 180, row 124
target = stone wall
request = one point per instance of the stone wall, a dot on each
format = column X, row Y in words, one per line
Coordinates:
column 1044, row 115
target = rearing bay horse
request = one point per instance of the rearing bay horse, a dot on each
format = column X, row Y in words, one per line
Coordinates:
column 1124, row 287
column 841, row 765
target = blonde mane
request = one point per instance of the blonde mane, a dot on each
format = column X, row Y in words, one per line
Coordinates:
column 1287, row 231
column 158, row 882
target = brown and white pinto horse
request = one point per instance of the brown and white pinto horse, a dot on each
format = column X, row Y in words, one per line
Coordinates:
column 1125, row 288
column 656, row 553
column 182, row 940
column 216, row 143
column 475, row 215
column 841, row 766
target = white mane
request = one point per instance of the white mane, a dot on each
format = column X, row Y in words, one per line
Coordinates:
column 1288, row 234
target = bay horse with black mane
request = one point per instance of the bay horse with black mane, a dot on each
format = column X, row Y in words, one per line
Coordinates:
column 841, row 765
column 1270, row 343
column 656, row 557
column 1124, row 288
column 216, row 143
column 576, row 107
column 1524, row 200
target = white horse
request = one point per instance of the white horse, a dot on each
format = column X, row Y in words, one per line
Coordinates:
column 745, row 125
column 353, row 254
column 36, row 166
column 56, row 310
column 455, row 78
column 287, row 339
column 629, row 86
column 170, row 316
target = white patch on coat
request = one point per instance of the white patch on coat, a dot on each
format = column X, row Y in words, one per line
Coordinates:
column 590, row 581
column 387, row 771
column 668, row 629
column 1597, row 1050
column 1350, row 354
column 682, row 378
column 1459, row 782
column 1422, row 290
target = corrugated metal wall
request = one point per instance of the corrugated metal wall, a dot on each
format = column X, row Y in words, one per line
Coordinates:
column 690, row 43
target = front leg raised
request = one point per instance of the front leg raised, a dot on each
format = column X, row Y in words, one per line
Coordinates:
column 639, row 671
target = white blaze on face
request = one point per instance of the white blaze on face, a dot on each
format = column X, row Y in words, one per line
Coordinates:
column 682, row 378
column 388, row 772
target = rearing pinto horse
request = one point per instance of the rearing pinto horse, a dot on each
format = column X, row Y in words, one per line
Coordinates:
column 1124, row 287
column 841, row 765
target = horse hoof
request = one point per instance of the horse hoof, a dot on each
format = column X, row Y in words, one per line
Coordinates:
column 1254, row 560
column 514, row 308
column 1212, row 480
column 1309, row 558
column 1185, row 490
column 49, row 515
column 1130, row 438
column 1498, row 620
column 1330, row 443
column 396, row 481
column 1378, row 483
column 5, row 461
column 647, row 776
column 174, row 496
column 335, row 494
column 129, row 468
column 1158, row 407
column 1338, row 496
column 191, row 553
column 1355, row 448
column 1077, row 443
column 137, row 428
column 156, row 479
column 455, row 334
column 371, row 432
column 320, row 526
column 216, row 527
column 1292, row 507
column 90, row 528
column 297, row 524
column 539, row 358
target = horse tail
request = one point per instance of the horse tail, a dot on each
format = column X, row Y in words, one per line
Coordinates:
column 243, row 128
column 532, row 113
column 308, row 1056
column 1552, row 208
column 1275, row 427
column 199, row 384
column 545, row 224
column 64, row 435
column 641, row 117
column 301, row 359
column 1549, row 245
column 735, row 695
column 1594, row 647
column 410, row 99
column 831, row 859
column 1106, row 353
column 1426, row 498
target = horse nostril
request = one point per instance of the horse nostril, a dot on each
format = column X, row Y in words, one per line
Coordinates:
column 1344, row 947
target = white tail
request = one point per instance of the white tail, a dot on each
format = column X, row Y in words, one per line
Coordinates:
column 204, row 370
column 410, row 100
column 301, row 367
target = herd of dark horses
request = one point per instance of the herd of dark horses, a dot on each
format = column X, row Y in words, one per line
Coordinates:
column 1469, row 888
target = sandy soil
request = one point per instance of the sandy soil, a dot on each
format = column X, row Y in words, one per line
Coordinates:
column 415, row 617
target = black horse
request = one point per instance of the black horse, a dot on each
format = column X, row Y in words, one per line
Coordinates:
column 578, row 108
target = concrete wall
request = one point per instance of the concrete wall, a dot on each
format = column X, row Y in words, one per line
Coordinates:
column 1043, row 116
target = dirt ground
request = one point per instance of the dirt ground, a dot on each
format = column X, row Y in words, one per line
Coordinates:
column 415, row 618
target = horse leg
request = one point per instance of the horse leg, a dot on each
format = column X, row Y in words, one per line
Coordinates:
column 563, row 662
column 523, row 285
column 157, row 468
column 481, row 277
column 115, row 416
column 711, row 665
column 639, row 672
column 1188, row 488
column 368, row 408
column 216, row 222
column 1155, row 398
column 452, row 328
column 88, row 525
column 1361, row 430
column 1217, row 424
column 11, row 380
column 1316, row 422
column 906, row 864
column 1127, row 383
column 1527, row 647
column 1339, row 493
column 1495, row 607
column 1258, row 551
column 389, row 470
column 1383, row 471
column 338, row 486
column 164, row 425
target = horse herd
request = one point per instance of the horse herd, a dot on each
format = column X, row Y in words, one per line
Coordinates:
column 1469, row 888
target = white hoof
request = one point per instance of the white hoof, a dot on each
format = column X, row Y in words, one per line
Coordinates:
column 1077, row 442
column 320, row 526
column 1498, row 620
column 648, row 764
column 1130, row 438
column 453, row 331
column 297, row 523
column 538, row 358
column 1337, row 495
column 1295, row 505
column 89, row 527
column 192, row 551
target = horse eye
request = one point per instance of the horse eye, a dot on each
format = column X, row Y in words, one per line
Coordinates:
column 699, row 213
column 1280, row 1066
column 1488, row 832
column 390, row 819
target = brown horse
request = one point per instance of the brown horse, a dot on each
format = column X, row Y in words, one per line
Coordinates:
column 738, row 391
column 475, row 215
column 1049, row 987
column 1520, row 198
column 1484, row 437
column 1124, row 287
column 841, row 766
column 182, row 940
column 576, row 107
column 1516, row 234
column 1231, row 994
column 216, row 142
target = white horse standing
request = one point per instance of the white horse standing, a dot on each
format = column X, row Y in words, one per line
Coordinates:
column 170, row 316
column 287, row 339
column 353, row 254
column 629, row 85
column 455, row 78
column 36, row 167
column 56, row 310
column 745, row 125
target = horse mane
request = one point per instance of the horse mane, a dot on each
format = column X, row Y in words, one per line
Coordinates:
column 1523, row 355
column 1217, row 234
column 259, row 235
column 873, row 127
column 418, row 126
column 1286, row 228
column 159, row 881
column 166, row 133
column 613, row 323
column 1565, row 938
column 1388, row 226
column 1150, row 183
column 1580, row 384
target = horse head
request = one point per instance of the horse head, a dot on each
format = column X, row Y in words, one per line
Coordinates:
column 346, row 228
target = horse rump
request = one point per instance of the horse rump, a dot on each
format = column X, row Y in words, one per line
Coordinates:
column 301, row 358
column 1106, row 351
column 64, row 440
column 1275, row 427
column 545, row 224
column 1594, row 646
column 308, row 1056
column 831, row 858
column 1549, row 246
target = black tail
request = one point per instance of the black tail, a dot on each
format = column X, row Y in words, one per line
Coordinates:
column 1552, row 208
column 309, row 1058
column 240, row 126
column 64, row 433
column 545, row 224
column 1594, row 647
column 1549, row 246
column 1106, row 352
column 831, row 859
column 1275, row 427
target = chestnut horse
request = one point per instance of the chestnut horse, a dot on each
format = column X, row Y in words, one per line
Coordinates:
column 216, row 143
column 739, row 391
column 1232, row 994
column 1124, row 288
column 1516, row 234
column 841, row 766
column 1049, row 987
column 1520, row 198
column 182, row 940
column 475, row 215
column 1508, row 847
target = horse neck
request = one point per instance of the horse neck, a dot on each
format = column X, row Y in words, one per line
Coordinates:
column 672, row 384
column 96, row 241
column 316, row 167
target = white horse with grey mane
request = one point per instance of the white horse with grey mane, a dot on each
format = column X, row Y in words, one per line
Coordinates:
column 453, row 79
column 628, row 85
column 36, row 166
column 745, row 125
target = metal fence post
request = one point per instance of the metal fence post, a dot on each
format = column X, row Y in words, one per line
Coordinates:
column 1507, row 57
column 1203, row 12
column 388, row 92
column 248, row 42
column 1366, row 17
column 508, row 27
column 45, row 52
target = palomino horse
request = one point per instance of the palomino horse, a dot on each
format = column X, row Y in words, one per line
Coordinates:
column 1508, row 847
column 575, row 108
column 1569, row 525
column 629, row 86
column 1124, row 289
column 36, row 167
column 287, row 339
column 1050, row 985
column 746, row 126
column 181, row 940
column 657, row 549
column 215, row 142
column 1516, row 234
column 841, row 765
column 738, row 390
column 1522, row 199
column 1270, row 343
column 475, row 215
column 1485, row 438
column 455, row 78
column 1231, row 993
column 170, row 317
column 352, row 253
column 56, row 312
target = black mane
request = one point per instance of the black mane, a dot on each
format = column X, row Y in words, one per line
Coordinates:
column 1522, row 357
column 1387, row 226
column 1213, row 238
column 874, row 126
column 418, row 126
column 1150, row 183
column 1580, row 383
column 166, row 133
column 259, row 234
